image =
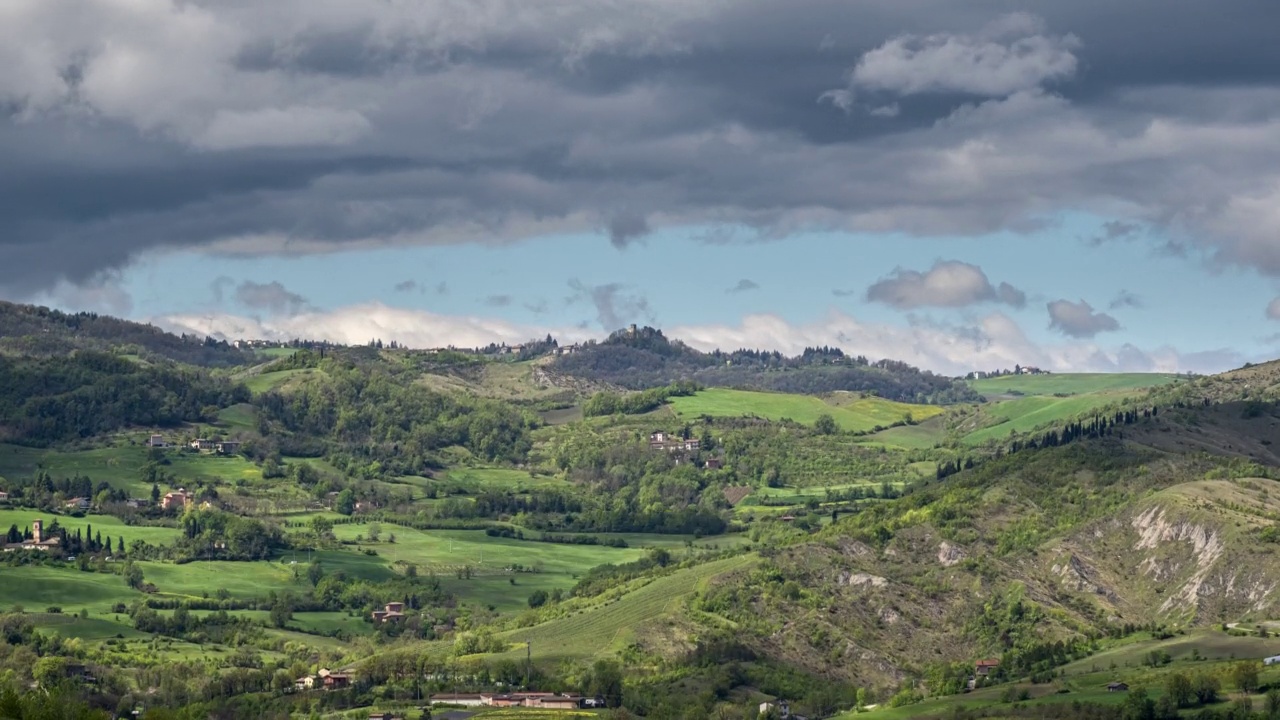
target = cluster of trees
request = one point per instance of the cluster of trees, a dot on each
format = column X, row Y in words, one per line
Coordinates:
column 637, row 403
column 647, row 359
column 46, row 400
column 44, row 491
column 209, row 534
column 389, row 419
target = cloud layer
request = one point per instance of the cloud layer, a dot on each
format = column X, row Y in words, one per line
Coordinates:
column 1079, row 319
column 993, row 341
column 295, row 126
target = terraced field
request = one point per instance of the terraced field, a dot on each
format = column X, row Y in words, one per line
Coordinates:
column 610, row 625
column 851, row 412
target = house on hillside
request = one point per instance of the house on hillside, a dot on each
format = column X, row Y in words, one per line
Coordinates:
column 1117, row 687
column 38, row 541
column 658, row 440
column 227, row 447
column 713, row 464
column 157, row 441
column 77, row 504
column 202, row 444
column 336, row 681
column 556, row 702
column 782, row 707
column 305, row 683
column 4, row 497
column 393, row 612
column 661, row 440
column 176, row 499
column 983, row 668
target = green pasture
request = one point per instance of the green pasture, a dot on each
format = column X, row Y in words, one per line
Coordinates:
column 121, row 466
column 36, row 587
column 909, row 437
column 851, row 412
column 611, row 624
column 1070, row 383
column 110, row 526
column 492, row 478
column 1028, row 413
column 263, row 382
column 239, row 417
column 240, row 579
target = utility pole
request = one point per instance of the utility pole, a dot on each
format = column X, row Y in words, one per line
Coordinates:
column 528, row 662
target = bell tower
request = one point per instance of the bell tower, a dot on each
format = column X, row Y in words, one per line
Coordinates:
column 37, row 530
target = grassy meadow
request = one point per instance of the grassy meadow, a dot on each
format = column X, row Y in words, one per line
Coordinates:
column 110, row 526
column 1070, row 383
column 121, row 466
column 263, row 382
column 1027, row 413
column 850, row 411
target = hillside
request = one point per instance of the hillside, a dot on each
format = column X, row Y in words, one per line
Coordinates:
column 645, row 358
column 31, row 330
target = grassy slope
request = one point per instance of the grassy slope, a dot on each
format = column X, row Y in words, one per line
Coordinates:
column 121, row 466
column 851, row 413
column 610, row 625
column 263, row 382
column 1070, row 383
column 1027, row 413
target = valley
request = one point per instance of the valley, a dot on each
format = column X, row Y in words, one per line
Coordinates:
column 464, row 522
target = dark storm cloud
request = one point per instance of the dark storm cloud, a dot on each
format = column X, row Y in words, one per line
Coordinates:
column 1079, row 319
column 294, row 127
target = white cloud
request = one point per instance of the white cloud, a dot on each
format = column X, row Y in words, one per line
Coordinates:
column 949, row 283
column 282, row 127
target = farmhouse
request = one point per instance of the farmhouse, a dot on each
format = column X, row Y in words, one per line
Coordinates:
column 77, row 504
column 305, row 683
column 335, row 681
column 393, row 612
column 157, row 441
column 783, row 708
column 37, row 542
column 984, row 668
column 660, row 440
column 177, row 498
column 1117, row 687
column 228, row 447
column 4, row 496
column 1273, row 660
column 202, row 444
column 713, row 464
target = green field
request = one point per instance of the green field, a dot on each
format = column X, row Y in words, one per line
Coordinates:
column 445, row 552
column 121, row 466
column 1069, row 383
column 611, row 624
column 239, row 417
column 910, row 437
column 263, row 382
column 109, row 526
column 490, row 478
column 852, row 413
column 35, row 588
column 1028, row 413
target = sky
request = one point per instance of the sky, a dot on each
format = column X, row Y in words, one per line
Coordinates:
column 1083, row 186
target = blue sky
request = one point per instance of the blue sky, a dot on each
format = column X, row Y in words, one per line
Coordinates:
column 686, row 280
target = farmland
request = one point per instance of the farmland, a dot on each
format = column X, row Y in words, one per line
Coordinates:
column 1070, row 383
column 1027, row 413
column 850, row 411
column 121, row 465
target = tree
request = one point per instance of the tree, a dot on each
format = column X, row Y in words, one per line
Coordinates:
column 120, row 545
column 132, row 575
column 826, row 425
column 281, row 612
column 375, row 530
column 1245, row 675
column 346, row 502
column 315, row 573
column 155, row 493
column 49, row 671
column 1273, row 703
column 1178, row 688
column 862, row 698
column 538, row 598
column 1206, row 686
column 606, row 682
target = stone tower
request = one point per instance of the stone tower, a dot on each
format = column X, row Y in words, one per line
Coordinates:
column 37, row 530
